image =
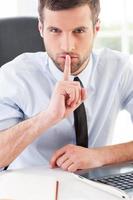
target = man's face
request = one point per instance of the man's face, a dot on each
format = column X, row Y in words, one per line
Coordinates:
column 68, row 32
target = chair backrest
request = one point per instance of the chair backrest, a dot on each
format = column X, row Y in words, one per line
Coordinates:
column 18, row 35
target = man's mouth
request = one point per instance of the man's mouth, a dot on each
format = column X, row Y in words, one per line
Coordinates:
column 64, row 56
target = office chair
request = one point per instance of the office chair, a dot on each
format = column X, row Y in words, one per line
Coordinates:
column 18, row 35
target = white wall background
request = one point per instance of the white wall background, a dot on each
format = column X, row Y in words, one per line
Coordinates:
column 27, row 7
column 109, row 14
column 12, row 8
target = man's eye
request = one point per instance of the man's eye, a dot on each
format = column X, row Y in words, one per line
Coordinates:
column 79, row 31
column 54, row 30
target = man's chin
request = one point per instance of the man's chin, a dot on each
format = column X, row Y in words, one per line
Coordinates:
column 74, row 68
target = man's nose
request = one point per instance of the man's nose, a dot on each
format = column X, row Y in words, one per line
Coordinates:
column 67, row 43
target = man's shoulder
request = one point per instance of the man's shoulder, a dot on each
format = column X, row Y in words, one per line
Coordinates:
column 26, row 61
column 111, row 59
column 109, row 54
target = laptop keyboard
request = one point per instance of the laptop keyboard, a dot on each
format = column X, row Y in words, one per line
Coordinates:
column 122, row 181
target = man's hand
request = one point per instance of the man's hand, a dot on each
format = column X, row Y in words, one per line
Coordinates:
column 67, row 96
column 73, row 158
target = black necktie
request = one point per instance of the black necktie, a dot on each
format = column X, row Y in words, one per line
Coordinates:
column 80, row 123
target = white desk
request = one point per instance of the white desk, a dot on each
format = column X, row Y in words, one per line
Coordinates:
column 70, row 188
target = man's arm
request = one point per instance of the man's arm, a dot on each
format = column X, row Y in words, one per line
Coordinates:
column 66, row 97
column 14, row 140
column 72, row 157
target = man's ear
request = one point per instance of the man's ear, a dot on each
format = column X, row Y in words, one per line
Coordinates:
column 97, row 26
column 40, row 27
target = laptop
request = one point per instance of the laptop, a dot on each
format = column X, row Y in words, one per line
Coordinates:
column 117, row 179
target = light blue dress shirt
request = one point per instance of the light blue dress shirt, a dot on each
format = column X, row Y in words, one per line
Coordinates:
column 26, row 86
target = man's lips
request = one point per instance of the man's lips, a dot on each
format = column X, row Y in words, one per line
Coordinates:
column 71, row 56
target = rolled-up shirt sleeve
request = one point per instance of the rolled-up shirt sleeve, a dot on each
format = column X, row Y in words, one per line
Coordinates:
column 10, row 112
column 10, row 95
column 127, row 89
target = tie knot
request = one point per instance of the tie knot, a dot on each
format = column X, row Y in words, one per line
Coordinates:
column 77, row 79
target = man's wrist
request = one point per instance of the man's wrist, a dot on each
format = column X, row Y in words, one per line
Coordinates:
column 45, row 120
column 117, row 153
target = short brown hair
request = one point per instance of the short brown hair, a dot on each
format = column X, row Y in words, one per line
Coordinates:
column 55, row 5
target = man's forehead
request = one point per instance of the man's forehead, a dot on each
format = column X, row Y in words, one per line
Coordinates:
column 78, row 16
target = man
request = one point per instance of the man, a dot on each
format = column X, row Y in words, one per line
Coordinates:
column 38, row 94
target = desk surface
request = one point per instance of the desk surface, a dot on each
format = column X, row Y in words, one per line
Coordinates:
column 70, row 188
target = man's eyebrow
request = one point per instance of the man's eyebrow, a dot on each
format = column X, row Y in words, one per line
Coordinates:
column 52, row 27
column 85, row 28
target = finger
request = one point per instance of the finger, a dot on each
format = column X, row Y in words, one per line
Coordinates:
column 74, row 83
column 76, row 94
column 74, row 98
column 67, row 68
column 61, row 160
column 71, row 93
column 72, row 168
column 83, row 94
column 66, row 165
column 56, row 156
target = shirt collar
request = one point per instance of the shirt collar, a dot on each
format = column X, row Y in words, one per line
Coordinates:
column 84, row 76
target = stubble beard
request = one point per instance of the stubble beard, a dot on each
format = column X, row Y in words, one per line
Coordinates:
column 81, row 64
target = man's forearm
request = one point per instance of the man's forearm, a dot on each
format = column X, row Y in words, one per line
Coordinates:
column 14, row 140
column 116, row 153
